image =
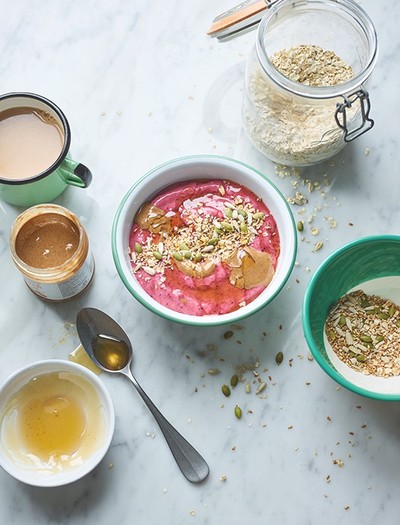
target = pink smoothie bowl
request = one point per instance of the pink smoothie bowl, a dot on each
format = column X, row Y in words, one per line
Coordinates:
column 193, row 168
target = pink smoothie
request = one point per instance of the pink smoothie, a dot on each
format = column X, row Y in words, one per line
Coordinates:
column 188, row 242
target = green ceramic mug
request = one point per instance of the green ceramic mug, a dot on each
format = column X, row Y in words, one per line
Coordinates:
column 62, row 171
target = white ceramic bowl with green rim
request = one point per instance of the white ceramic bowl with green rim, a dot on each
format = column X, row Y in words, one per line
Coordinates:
column 30, row 460
column 371, row 264
column 206, row 167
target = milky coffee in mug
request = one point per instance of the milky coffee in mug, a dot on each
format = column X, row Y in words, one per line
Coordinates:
column 35, row 166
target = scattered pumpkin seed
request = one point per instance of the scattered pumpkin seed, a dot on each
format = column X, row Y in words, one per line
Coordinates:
column 157, row 255
column 138, row 248
column 226, row 390
column 238, row 411
column 234, row 380
column 361, row 358
column 177, row 256
column 300, row 226
column 279, row 358
column 392, row 310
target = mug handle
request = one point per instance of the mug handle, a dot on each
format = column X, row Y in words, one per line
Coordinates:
column 75, row 173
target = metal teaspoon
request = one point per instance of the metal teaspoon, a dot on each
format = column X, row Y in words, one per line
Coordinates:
column 110, row 348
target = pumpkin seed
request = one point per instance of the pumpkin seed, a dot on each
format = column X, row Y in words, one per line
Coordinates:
column 383, row 315
column 138, row 248
column 177, row 256
column 300, row 226
column 234, row 380
column 157, row 255
column 226, row 226
column 238, row 411
column 226, row 390
column 213, row 241
column 366, row 339
column 279, row 358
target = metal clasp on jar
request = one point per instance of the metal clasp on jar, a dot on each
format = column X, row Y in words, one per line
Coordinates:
column 366, row 122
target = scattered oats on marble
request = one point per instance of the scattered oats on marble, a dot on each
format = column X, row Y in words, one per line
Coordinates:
column 338, row 462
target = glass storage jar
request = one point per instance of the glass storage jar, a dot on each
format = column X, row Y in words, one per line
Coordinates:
column 297, row 124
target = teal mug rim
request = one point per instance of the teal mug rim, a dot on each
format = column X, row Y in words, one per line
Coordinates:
column 67, row 138
column 332, row 372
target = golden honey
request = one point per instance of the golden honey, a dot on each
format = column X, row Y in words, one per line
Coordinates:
column 53, row 422
column 111, row 353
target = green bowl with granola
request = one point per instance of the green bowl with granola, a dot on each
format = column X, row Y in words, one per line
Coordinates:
column 351, row 316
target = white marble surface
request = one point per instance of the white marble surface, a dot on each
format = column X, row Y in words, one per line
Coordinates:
column 141, row 83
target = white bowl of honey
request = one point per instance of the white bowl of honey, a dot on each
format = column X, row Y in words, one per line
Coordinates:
column 56, row 423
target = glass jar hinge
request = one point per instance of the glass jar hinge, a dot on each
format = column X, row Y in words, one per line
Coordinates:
column 366, row 122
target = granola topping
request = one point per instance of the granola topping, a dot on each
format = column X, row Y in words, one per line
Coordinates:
column 364, row 332
column 207, row 246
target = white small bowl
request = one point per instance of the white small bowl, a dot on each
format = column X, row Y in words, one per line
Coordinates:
column 39, row 476
column 193, row 168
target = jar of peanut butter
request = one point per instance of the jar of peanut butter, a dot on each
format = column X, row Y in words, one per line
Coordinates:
column 50, row 247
